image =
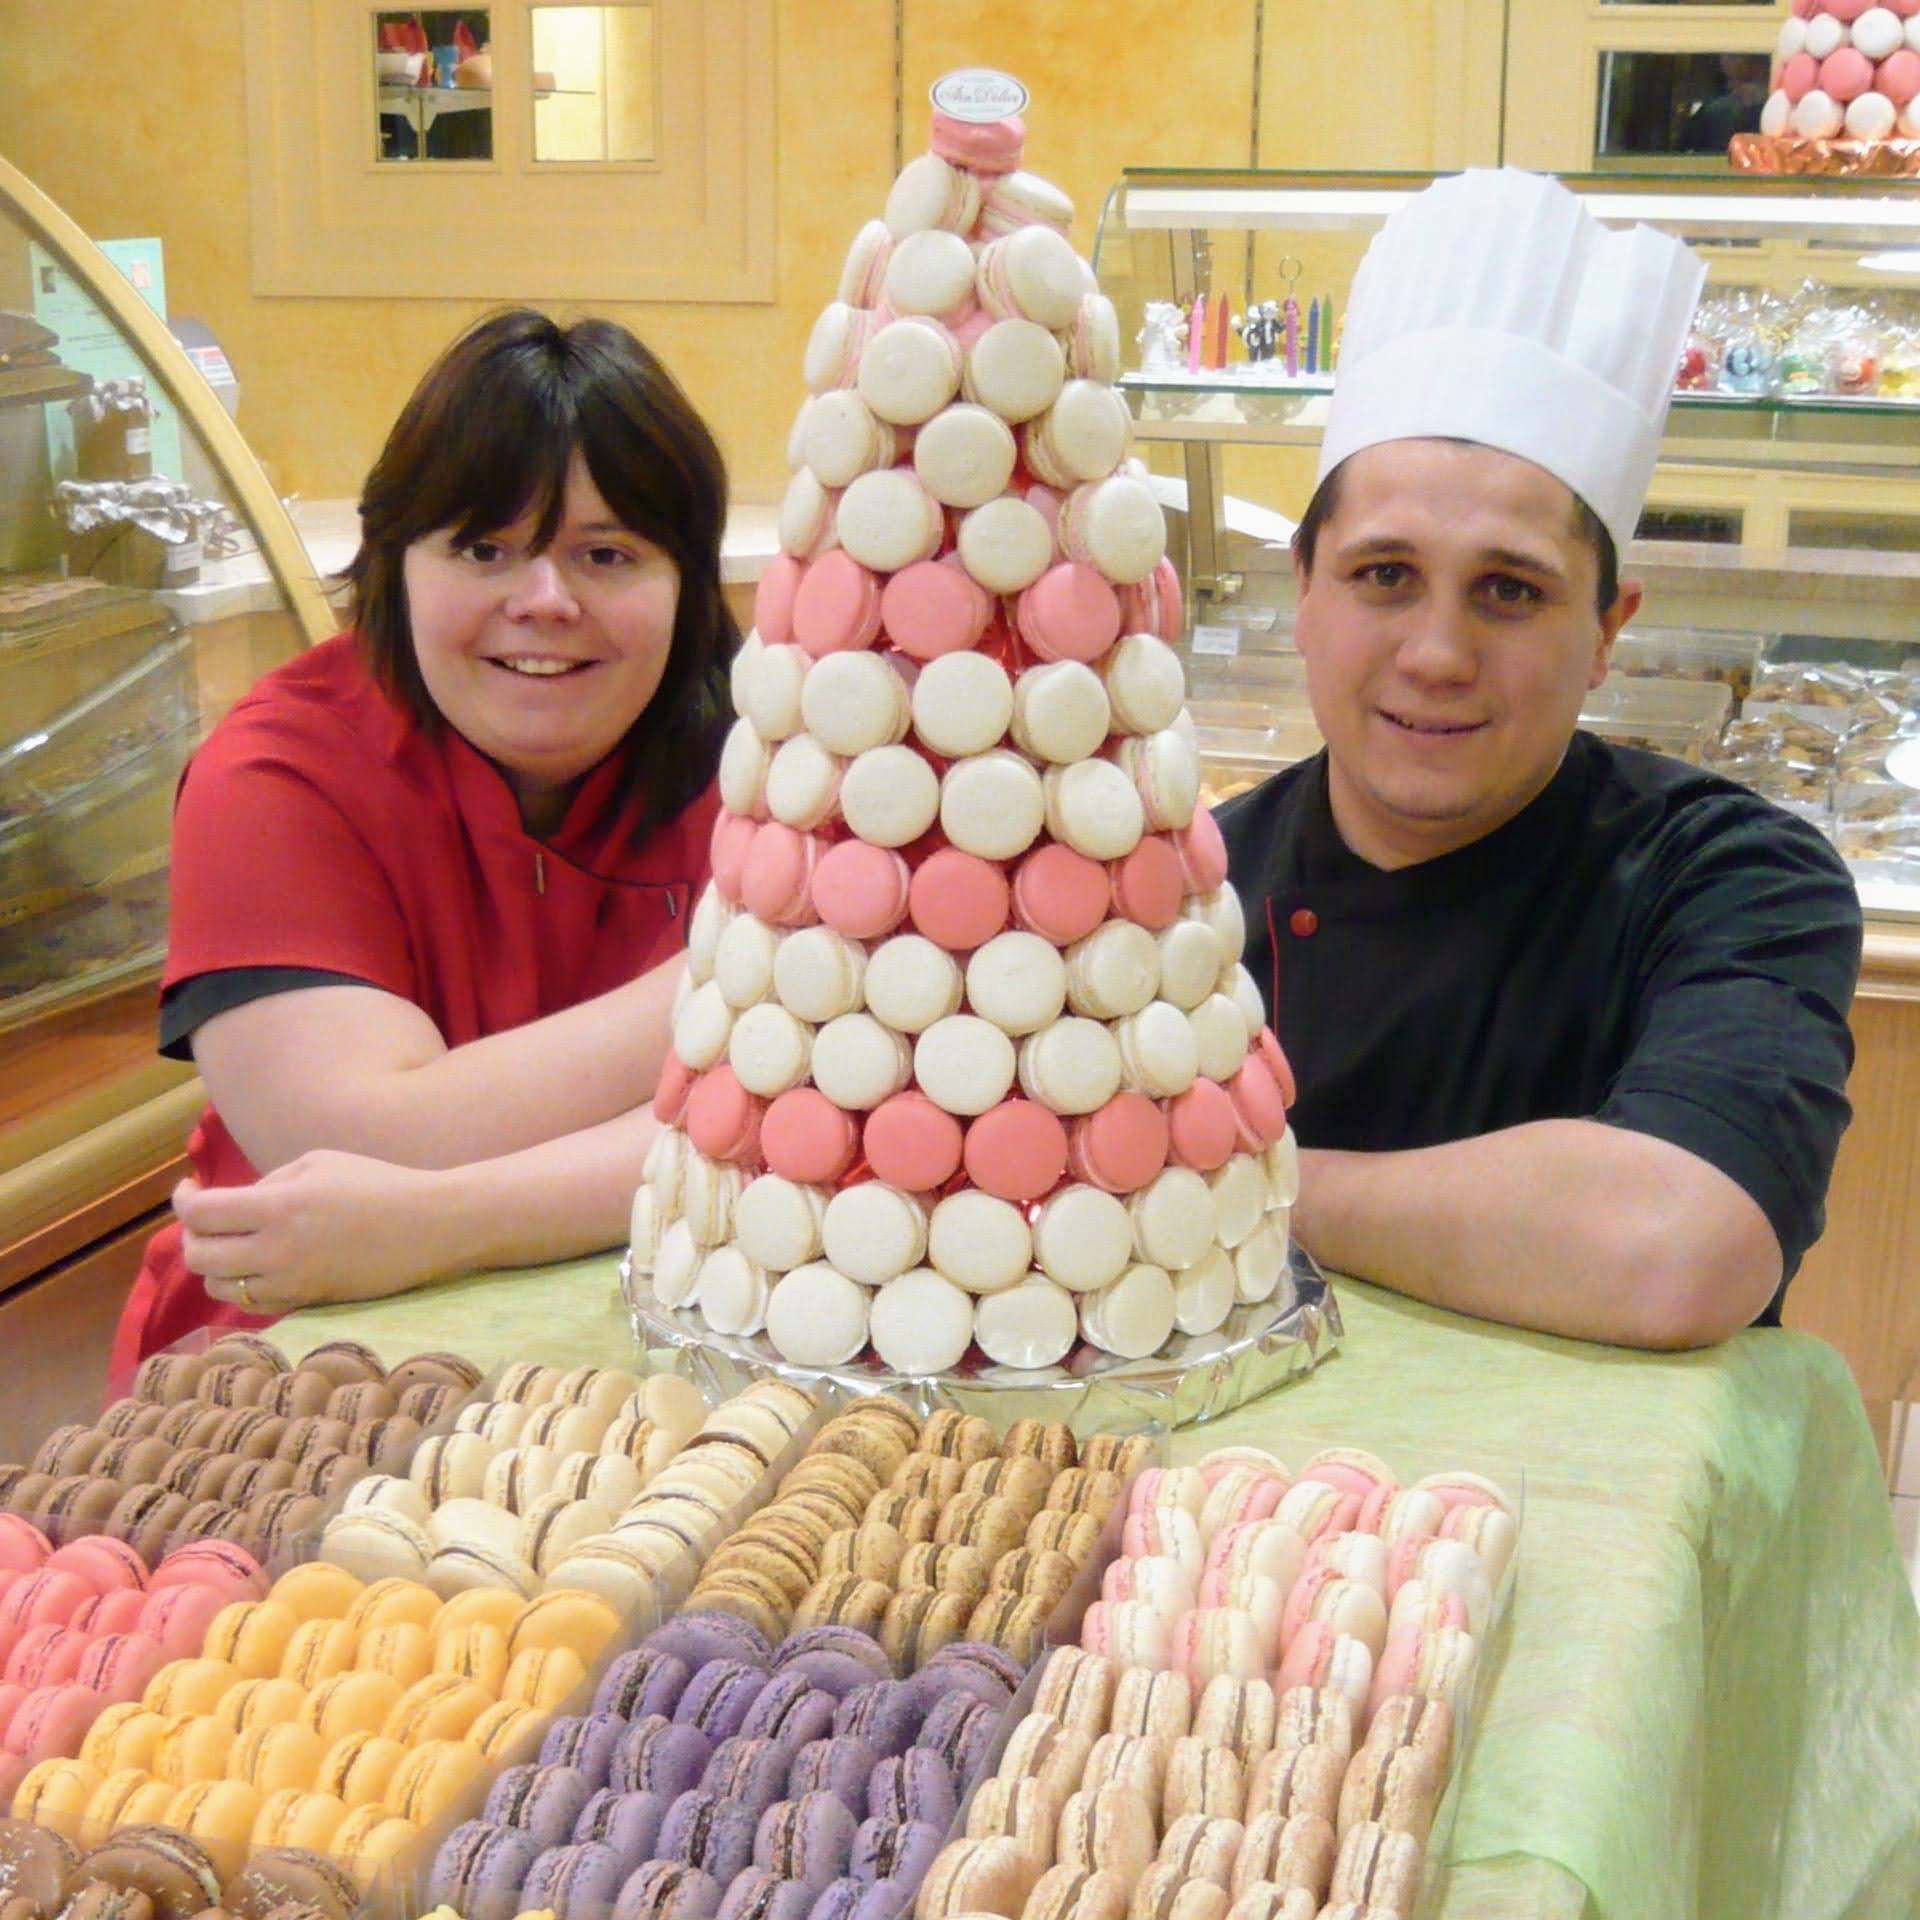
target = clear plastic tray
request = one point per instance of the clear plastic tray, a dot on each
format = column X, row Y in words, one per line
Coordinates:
column 1690, row 653
column 1197, row 1378
column 1679, row 717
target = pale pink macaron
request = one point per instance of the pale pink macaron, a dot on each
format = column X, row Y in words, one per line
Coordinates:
column 1202, row 1128
column 1348, row 1606
column 727, row 852
column 1253, row 1594
column 1202, row 851
column 723, row 1118
column 1060, row 894
column 1157, row 1579
column 1148, row 885
column 1311, row 1508
column 1129, row 1633
column 1846, row 73
column 912, row 1144
column 1798, row 77
column 1151, row 605
column 1898, row 76
column 837, row 607
column 957, row 900
column 861, row 890
column 805, row 1137
column 1121, row 1146
column 1165, row 1530
column 1351, row 1470
column 1211, row 1641
column 1320, row 1658
column 776, row 884
column 934, row 607
column 1016, row 1151
column 1242, row 1496
column 989, row 146
column 1268, row 1547
column 773, row 599
column 1069, row 613
column 1257, row 1104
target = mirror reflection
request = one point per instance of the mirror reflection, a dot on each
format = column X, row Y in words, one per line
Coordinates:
column 593, row 70
column 433, row 71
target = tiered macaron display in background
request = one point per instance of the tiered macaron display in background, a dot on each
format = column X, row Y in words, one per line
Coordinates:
column 966, row 1059
column 1845, row 70
column 322, row 1714
column 233, row 1443
column 546, row 1462
column 147, row 1873
column 1263, row 1717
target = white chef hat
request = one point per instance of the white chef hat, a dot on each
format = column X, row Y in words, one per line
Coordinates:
column 1493, row 307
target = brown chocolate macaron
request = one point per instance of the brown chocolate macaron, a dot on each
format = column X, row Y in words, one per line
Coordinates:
column 1048, row 1441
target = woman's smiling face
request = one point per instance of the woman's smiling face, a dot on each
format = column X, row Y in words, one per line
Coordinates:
column 1450, row 636
column 543, row 658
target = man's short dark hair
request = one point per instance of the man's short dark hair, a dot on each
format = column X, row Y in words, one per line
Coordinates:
column 1326, row 501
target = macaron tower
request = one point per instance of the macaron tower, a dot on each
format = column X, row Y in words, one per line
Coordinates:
column 965, row 1054
column 1846, row 71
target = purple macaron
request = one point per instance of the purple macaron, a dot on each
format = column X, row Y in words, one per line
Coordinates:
column 842, row 1766
column 577, row 1881
column 641, row 1681
column 629, row 1823
column 480, row 1868
column 697, row 1638
column 851, row 1899
column 791, row 1710
column 753, row 1772
column 962, row 1730
column 765, row 1896
column 806, row 1839
column 668, row 1890
column 990, row 1673
column 834, row 1659
column 900, row 1850
column 914, row 1785
column 708, row 1832
column 884, row 1713
column 543, row 1801
column 585, row 1742
column 718, row 1696
column 656, row 1756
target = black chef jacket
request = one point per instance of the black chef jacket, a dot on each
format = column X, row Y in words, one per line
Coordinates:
column 1645, row 945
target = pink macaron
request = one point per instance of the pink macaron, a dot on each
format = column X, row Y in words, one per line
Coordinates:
column 861, row 890
column 1148, row 885
column 773, row 599
column 1016, row 1151
column 670, row 1096
column 52, row 1721
column 23, row 1547
column 1202, row 851
column 837, row 607
column 118, row 1666
column 45, row 1657
column 1898, row 75
column 776, row 884
column 723, row 1118
column 805, row 1137
column 1121, row 1146
column 1060, row 894
column 1153, row 605
column 958, row 900
column 1069, row 613
column 1268, row 1049
column 46, row 1598
column 1258, row 1104
column 1799, row 76
column 1846, row 73
column 912, row 1144
column 116, row 1612
column 178, row 1617
column 1202, row 1127
column 934, row 607
column 990, row 146
column 105, row 1564
column 727, row 852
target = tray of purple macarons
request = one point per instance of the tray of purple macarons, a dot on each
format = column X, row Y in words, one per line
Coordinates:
column 1191, row 1379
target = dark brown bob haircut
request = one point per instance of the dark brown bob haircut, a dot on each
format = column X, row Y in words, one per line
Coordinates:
column 487, row 437
column 1588, row 524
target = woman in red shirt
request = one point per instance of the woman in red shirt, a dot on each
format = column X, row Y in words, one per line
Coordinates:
column 431, row 878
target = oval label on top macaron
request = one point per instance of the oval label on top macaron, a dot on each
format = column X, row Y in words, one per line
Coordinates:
column 979, row 94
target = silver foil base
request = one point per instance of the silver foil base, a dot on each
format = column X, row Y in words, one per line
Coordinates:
column 1196, row 1378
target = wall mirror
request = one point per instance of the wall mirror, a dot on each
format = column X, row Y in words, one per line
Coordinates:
column 433, row 73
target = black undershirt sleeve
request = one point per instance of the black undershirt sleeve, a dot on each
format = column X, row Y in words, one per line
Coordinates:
column 189, row 1004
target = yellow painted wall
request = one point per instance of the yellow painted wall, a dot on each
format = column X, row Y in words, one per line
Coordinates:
column 135, row 123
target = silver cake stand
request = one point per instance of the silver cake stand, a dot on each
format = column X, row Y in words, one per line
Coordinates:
column 1196, row 1377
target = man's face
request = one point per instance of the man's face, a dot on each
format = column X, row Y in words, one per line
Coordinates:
column 1449, row 633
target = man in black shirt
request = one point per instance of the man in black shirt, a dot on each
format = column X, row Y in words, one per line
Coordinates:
column 1568, row 1020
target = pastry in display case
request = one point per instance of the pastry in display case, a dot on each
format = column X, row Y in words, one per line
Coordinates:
column 1803, row 392
column 147, row 576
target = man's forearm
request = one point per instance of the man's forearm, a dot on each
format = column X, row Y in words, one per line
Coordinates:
column 1568, row 1226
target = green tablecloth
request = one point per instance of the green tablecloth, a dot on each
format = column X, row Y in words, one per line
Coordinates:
column 1706, row 1695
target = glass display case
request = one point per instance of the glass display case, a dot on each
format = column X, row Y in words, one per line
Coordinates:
column 133, row 611
column 1790, row 469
